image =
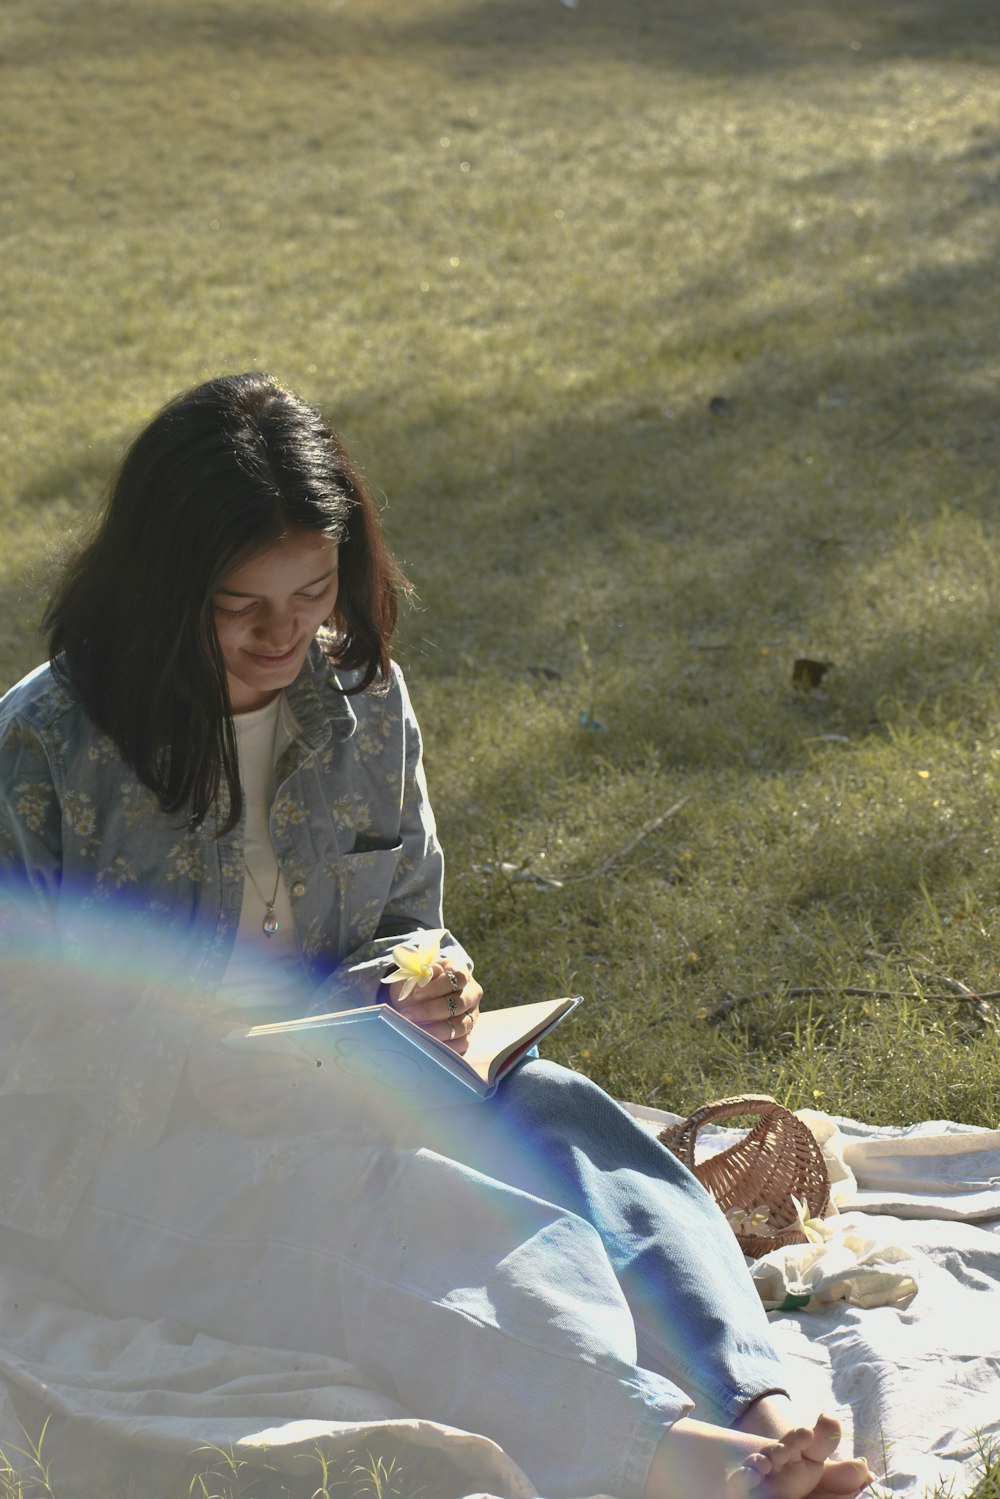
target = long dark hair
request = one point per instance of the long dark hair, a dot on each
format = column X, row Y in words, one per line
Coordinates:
column 220, row 473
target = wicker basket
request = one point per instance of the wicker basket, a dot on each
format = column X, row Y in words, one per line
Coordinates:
column 777, row 1159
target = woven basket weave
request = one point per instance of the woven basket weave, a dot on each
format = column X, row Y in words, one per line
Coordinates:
column 777, row 1159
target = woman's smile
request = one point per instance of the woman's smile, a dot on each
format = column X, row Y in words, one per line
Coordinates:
column 274, row 658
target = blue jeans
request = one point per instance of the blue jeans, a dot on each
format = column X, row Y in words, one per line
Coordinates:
column 697, row 1314
column 538, row 1268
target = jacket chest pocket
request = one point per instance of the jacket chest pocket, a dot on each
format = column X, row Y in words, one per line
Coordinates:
column 361, row 882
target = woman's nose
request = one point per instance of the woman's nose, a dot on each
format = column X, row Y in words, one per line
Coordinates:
column 278, row 625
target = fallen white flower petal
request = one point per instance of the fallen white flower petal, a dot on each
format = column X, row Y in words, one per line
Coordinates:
column 815, row 1230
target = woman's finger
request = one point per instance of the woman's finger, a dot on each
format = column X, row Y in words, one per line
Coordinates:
column 444, row 1016
column 440, row 1010
column 472, row 996
column 454, row 1033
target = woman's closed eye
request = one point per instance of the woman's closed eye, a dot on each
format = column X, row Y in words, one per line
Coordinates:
column 319, row 594
column 312, row 598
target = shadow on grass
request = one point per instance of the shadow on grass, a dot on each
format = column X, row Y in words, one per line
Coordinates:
column 812, row 463
column 740, row 35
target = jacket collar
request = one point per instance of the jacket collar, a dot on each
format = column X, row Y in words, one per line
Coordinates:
column 317, row 699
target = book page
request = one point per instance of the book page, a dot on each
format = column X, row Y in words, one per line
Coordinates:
column 500, row 1034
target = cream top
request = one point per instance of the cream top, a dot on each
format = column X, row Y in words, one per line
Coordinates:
column 263, row 970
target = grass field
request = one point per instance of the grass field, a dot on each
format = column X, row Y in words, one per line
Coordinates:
column 668, row 333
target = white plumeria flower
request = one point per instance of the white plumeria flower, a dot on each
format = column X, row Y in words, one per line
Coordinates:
column 814, row 1229
column 753, row 1222
column 414, row 962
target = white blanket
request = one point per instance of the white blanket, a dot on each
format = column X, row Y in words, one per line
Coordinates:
column 917, row 1386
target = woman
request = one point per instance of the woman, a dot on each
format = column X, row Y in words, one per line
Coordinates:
column 217, row 779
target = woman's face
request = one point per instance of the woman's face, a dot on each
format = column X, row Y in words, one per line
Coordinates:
column 267, row 611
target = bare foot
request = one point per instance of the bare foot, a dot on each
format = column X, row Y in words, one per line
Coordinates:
column 802, row 1462
column 712, row 1462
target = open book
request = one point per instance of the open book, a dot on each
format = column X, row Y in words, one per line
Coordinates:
column 379, row 1044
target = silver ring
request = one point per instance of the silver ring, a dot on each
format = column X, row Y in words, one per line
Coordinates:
column 452, row 1006
column 456, row 980
column 452, row 1032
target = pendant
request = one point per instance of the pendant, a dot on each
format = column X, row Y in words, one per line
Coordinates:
column 270, row 922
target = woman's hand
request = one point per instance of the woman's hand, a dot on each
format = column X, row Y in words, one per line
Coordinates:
column 445, row 1007
column 248, row 1085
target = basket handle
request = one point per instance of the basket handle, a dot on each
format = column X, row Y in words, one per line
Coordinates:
column 680, row 1138
column 727, row 1108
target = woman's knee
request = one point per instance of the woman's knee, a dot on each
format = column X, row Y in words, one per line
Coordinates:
column 544, row 1092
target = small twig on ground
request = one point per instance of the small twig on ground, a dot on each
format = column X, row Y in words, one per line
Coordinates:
column 957, row 990
column 886, row 437
column 524, row 874
column 628, row 846
column 980, row 1002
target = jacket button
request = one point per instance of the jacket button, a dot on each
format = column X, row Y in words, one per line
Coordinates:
column 299, row 888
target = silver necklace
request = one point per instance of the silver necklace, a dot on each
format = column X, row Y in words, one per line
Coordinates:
column 270, row 923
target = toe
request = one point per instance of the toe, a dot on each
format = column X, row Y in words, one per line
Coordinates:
column 746, row 1480
column 844, row 1479
column 792, row 1446
column 823, row 1439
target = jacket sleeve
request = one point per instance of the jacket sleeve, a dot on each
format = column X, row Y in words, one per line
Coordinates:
column 47, row 1144
column 88, row 1044
column 30, row 838
column 415, row 898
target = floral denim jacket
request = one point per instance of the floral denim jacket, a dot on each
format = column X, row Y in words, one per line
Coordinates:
column 117, row 921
